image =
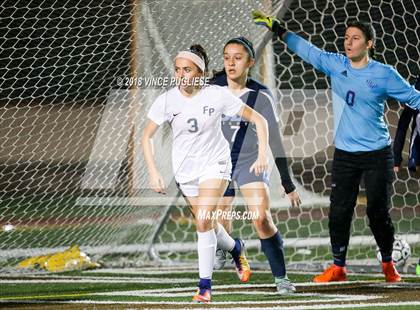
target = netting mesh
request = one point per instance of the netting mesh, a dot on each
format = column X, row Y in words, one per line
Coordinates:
column 71, row 169
column 59, row 63
column 305, row 114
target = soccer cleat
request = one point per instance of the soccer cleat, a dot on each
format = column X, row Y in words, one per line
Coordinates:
column 333, row 273
column 391, row 274
column 284, row 286
column 220, row 259
column 203, row 295
column 241, row 263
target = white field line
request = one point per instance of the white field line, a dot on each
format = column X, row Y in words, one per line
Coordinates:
column 67, row 279
column 265, row 302
column 97, row 280
column 171, row 280
column 217, row 293
column 158, row 293
column 231, row 287
column 262, row 303
column 189, row 292
column 208, row 307
column 166, row 270
column 332, row 298
column 151, row 270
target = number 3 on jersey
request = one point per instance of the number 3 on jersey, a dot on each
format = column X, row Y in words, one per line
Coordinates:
column 350, row 98
column 194, row 125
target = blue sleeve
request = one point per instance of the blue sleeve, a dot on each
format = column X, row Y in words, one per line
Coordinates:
column 324, row 61
column 401, row 90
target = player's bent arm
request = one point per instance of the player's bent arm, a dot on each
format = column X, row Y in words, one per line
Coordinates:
column 261, row 164
column 399, row 140
column 156, row 181
column 276, row 146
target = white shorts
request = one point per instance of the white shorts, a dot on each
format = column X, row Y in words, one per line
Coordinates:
column 221, row 170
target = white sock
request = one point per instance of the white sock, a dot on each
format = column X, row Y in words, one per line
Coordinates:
column 224, row 240
column 206, row 246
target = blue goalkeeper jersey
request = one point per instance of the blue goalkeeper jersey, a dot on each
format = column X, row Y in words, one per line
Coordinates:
column 358, row 95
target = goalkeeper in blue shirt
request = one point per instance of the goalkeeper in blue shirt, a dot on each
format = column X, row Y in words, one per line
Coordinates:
column 360, row 86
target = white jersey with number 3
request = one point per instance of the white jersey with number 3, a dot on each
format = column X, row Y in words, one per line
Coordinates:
column 198, row 141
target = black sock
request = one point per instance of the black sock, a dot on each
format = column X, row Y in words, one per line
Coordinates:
column 339, row 255
column 386, row 256
column 273, row 250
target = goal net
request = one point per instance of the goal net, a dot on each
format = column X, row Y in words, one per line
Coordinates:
column 74, row 99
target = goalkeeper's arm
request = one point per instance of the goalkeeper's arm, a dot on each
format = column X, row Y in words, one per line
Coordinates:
column 273, row 24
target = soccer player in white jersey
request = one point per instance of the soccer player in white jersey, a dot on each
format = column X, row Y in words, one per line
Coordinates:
column 360, row 85
column 201, row 156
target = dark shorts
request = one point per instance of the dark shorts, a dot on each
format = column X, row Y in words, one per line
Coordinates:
column 242, row 176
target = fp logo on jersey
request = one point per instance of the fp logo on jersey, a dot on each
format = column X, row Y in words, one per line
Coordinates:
column 208, row 110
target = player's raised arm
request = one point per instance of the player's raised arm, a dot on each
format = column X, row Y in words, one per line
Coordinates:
column 321, row 60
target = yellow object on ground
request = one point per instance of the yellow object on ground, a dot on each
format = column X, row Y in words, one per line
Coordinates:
column 68, row 260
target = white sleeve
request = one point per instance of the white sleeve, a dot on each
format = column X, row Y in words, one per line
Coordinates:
column 157, row 112
column 231, row 103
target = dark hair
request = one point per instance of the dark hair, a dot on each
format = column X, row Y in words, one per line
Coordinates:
column 245, row 43
column 368, row 31
column 249, row 47
column 200, row 52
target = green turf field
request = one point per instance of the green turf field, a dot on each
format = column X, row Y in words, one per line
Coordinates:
column 172, row 288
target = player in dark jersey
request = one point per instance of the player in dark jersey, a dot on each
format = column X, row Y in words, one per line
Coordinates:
column 408, row 115
column 360, row 86
column 239, row 57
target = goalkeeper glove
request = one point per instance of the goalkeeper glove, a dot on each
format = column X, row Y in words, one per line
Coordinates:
column 272, row 23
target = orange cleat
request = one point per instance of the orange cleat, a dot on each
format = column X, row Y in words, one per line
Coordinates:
column 202, row 296
column 333, row 273
column 391, row 274
column 243, row 270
